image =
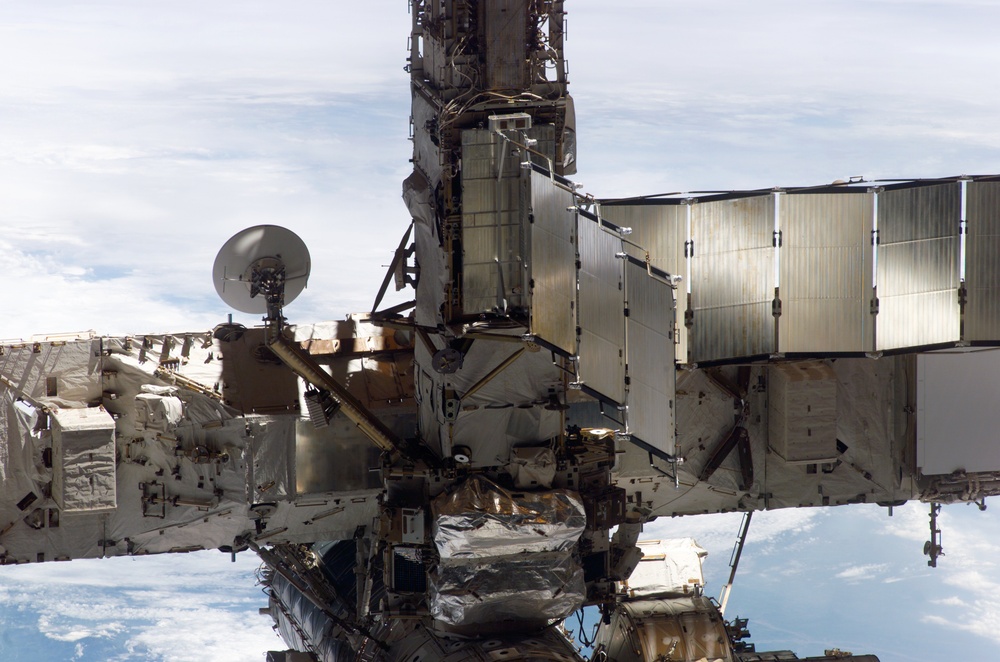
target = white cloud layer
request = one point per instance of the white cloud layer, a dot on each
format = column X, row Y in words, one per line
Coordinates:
column 170, row 608
column 865, row 572
column 969, row 568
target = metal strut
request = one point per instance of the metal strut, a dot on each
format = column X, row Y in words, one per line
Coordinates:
column 734, row 561
column 933, row 548
column 306, row 367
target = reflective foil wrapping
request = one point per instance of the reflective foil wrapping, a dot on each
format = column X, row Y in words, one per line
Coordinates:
column 537, row 586
column 506, row 556
column 480, row 519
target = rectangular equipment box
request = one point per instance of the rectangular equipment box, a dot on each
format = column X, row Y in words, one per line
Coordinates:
column 802, row 412
column 83, row 460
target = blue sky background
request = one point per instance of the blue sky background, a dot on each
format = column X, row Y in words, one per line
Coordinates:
column 137, row 138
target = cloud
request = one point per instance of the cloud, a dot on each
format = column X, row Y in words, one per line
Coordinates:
column 968, row 567
column 772, row 533
column 174, row 608
column 863, row 572
column 743, row 96
column 132, row 156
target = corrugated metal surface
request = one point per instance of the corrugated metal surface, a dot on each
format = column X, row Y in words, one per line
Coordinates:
column 486, row 205
column 480, row 195
column 918, row 269
column 732, row 278
column 602, row 311
column 661, row 230
column 650, row 358
column 826, row 272
column 479, row 268
column 553, row 263
column 505, row 30
column 982, row 261
column 480, row 155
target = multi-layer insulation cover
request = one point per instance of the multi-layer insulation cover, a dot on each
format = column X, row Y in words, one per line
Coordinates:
column 669, row 568
column 506, row 556
column 802, row 412
column 83, row 458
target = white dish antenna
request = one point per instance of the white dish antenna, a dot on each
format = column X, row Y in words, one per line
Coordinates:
column 260, row 267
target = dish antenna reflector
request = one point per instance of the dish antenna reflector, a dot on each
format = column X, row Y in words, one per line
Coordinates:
column 260, row 269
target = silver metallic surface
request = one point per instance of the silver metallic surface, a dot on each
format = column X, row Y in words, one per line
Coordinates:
column 505, row 27
column 335, row 458
column 532, row 587
column 302, row 624
column 826, row 272
column 732, row 274
column 650, row 357
column 553, row 263
column 982, row 268
column 480, row 519
column 492, row 232
column 918, row 270
column 422, row 644
column 661, row 231
column 602, row 311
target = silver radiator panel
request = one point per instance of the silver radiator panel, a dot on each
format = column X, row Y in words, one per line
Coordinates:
column 661, row 231
column 553, row 263
column 918, row 269
column 650, row 357
column 826, row 272
column 479, row 272
column 493, row 236
column 602, row 311
column 982, row 267
column 732, row 278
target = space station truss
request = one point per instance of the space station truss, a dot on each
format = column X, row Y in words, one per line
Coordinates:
column 592, row 294
column 853, row 269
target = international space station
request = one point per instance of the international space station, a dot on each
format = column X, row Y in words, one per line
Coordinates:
column 450, row 478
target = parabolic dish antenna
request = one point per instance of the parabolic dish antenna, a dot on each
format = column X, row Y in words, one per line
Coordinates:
column 256, row 258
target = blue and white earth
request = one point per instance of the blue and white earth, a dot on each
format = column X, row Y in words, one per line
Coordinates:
column 809, row 580
column 197, row 606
